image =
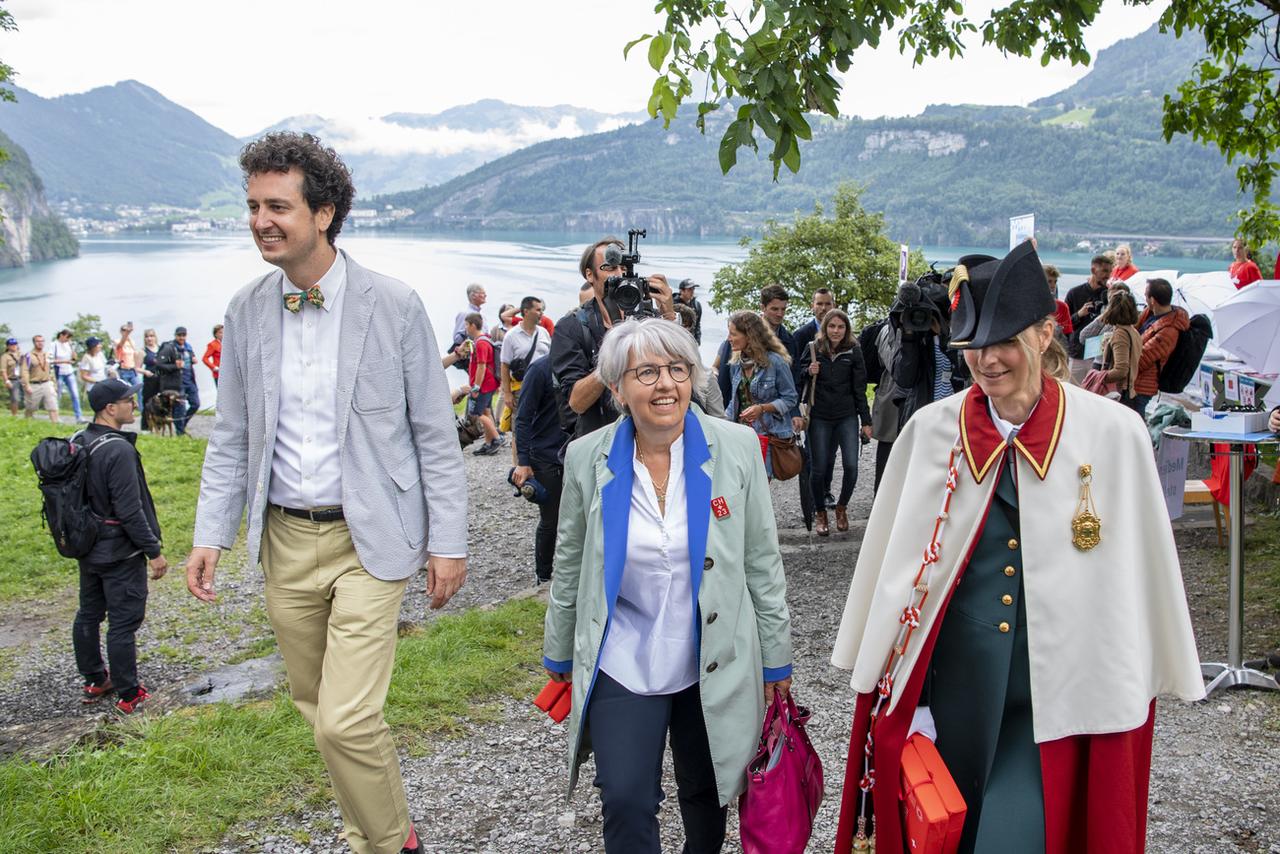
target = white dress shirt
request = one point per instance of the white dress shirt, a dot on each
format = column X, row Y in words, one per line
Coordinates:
column 306, row 472
column 651, row 647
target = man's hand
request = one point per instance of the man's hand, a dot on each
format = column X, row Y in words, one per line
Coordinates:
column 159, row 566
column 661, row 293
column 1273, row 423
column 445, row 576
column 200, row 567
column 783, row 685
column 509, row 400
column 521, row 474
column 866, row 430
column 559, row 677
column 179, row 363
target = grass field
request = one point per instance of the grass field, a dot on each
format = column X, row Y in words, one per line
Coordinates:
column 182, row 780
column 30, row 567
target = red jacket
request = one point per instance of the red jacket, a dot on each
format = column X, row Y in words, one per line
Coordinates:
column 1157, row 343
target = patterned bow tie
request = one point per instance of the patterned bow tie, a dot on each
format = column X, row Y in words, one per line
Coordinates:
column 293, row 301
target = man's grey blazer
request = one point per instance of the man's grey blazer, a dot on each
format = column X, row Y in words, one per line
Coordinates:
column 404, row 490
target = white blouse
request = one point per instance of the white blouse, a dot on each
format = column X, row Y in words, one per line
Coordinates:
column 651, row 647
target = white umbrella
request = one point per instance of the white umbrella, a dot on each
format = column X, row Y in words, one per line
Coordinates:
column 1201, row 293
column 1248, row 325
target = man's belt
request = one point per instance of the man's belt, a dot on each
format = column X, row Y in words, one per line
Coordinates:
column 328, row 514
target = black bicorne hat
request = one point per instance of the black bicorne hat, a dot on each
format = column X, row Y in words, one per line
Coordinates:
column 993, row 300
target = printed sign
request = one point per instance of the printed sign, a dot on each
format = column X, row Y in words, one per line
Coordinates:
column 1248, row 391
column 1171, row 463
column 1231, row 387
column 904, row 253
column 1206, row 385
column 1021, row 228
column 1093, row 347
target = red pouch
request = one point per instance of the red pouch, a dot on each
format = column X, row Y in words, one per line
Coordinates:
column 555, row 699
column 933, row 809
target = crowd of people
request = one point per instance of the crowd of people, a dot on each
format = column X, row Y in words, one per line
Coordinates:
column 667, row 610
column 37, row 379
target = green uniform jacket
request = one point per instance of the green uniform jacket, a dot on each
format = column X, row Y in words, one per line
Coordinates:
column 744, row 628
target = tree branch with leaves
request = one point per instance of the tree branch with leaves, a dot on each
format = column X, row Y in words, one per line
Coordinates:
column 774, row 62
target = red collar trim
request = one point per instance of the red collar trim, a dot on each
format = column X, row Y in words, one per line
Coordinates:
column 1036, row 441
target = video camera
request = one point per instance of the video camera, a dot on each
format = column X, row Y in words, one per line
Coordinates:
column 921, row 302
column 628, row 292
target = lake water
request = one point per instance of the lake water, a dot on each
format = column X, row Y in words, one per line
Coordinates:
column 163, row 281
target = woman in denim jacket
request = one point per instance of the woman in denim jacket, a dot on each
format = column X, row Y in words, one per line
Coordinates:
column 763, row 390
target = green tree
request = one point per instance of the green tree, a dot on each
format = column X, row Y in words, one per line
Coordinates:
column 771, row 62
column 848, row 253
column 85, row 325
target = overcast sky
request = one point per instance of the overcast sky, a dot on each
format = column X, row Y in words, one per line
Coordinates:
column 244, row 65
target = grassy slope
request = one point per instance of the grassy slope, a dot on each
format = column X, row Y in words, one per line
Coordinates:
column 183, row 780
column 30, row 567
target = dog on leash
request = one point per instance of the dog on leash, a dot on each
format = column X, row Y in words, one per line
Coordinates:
column 159, row 412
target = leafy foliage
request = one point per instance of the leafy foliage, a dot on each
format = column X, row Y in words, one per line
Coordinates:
column 1231, row 100
column 849, row 253
column 776, row 60
column 85, row 325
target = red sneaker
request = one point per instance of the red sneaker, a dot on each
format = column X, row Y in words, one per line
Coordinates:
column 128, row 707
column 93, row 693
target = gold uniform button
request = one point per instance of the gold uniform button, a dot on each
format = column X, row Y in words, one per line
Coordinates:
column 1004, row 628
column 1006, row 599
column 1013, row 544
column 1009, row 571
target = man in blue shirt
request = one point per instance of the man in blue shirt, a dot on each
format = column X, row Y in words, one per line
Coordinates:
column 189, row 388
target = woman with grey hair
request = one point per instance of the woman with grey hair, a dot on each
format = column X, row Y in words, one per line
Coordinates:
column 668, row 607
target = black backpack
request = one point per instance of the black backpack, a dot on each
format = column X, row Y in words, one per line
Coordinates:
column 1181, row 366
column 62, row 465
column 519, row 366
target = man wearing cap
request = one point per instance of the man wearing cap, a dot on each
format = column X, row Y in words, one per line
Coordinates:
column 11, row 370
column 113, row 577
column 335, row 433
column 190, row 390
column 685, row 296
column 1028, row 647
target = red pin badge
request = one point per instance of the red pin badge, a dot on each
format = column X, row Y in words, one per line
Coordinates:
column 720, row 507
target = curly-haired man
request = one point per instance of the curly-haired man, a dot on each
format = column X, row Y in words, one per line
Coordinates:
column 348, row 461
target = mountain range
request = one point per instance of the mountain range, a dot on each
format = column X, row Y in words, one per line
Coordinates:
column 1089, row 159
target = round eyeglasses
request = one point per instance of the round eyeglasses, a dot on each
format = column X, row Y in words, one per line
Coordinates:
column 648, row 374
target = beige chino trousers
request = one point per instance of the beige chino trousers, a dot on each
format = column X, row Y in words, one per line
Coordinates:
column 336, row 628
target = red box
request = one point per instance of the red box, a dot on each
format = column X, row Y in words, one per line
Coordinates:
column 933, row 809
column 556, row 699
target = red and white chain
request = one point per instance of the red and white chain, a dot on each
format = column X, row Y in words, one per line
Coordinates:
column 909, row 621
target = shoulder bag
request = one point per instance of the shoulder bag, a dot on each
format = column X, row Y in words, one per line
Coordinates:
column 784, row 784
column 520, row 364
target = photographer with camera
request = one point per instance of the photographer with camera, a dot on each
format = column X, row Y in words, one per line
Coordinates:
column 618, row 293
column 1085, row 302
column 539, row 473
column 925, row 367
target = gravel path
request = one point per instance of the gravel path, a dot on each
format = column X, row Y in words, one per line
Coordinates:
column 500, row 787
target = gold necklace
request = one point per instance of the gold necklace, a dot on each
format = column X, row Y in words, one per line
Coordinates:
column 660, row 491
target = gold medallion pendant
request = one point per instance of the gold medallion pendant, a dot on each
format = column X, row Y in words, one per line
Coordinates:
column 1086, row 526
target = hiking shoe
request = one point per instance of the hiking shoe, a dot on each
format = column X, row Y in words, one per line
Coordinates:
column 128, row 707
column 92, row 692
column 487, row 449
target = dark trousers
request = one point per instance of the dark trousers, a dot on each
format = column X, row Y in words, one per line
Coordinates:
column 882, row 460
column 544, row 544
column 192, row 393
column 1138, row 403
column 825, row 435
column 117, row 592
column 627, row 735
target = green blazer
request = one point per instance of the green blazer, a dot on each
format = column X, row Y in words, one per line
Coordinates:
column 744, row 628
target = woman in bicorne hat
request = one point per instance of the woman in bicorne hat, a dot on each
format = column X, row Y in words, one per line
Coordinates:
column 1029, row 645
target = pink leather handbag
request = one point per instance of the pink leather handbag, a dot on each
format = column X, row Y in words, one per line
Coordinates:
column 784, row 784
